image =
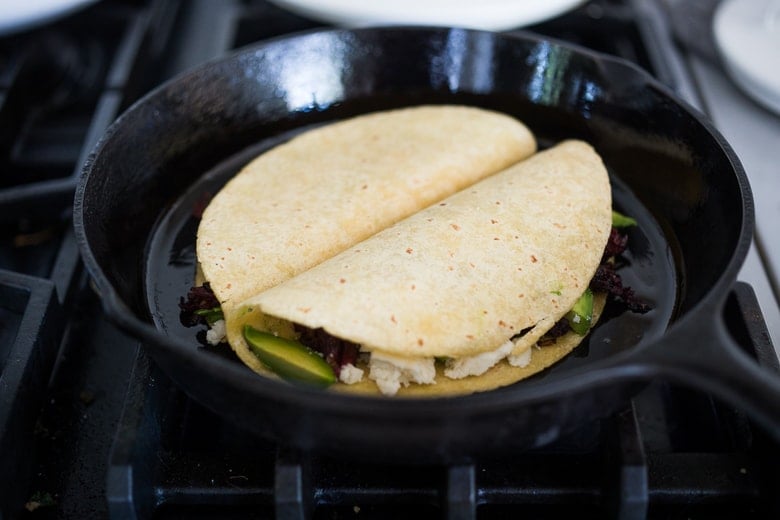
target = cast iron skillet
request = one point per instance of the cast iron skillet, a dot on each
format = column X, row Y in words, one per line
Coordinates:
column 669, row 168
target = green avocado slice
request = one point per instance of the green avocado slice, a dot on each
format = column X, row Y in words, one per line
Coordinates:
column 289, row 359
column 580, row 316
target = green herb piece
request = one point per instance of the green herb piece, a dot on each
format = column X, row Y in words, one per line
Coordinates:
column 212, row 315
column 39, row 499
column 620, row 221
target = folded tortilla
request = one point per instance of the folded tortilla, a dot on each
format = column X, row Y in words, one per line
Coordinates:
column 509, row 254
column 329, row 188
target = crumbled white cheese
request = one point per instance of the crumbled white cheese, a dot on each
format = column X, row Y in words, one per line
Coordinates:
column 520, row 360
column 216, row 334
column 458, row 368
column 350, row 374
column 390, row 372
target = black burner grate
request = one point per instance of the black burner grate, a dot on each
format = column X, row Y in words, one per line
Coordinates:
column 31, row 323
column 61, row 87
column 674, row 452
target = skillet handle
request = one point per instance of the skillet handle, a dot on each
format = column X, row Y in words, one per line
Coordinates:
column 702, row 353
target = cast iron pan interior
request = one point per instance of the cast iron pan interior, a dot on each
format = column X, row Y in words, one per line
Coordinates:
column 669, row 168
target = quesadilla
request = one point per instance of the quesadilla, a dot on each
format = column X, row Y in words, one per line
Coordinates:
column 454, row 298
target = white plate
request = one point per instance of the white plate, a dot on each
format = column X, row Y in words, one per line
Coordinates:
column 19, row 15
column 747, row 33
column 495, row 15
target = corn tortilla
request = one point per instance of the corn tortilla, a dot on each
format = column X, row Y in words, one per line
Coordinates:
column 331, row 187
column 461, row 276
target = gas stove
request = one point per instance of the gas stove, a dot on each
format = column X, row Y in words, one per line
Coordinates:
column 92, row 432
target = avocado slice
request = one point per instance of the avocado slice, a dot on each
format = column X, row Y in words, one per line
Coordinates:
column 581, row 315
column 289, row 359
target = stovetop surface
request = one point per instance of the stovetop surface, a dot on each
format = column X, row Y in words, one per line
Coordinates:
column 94, row 432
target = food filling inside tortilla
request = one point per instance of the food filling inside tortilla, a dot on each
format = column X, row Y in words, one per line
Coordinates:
column 543, row 342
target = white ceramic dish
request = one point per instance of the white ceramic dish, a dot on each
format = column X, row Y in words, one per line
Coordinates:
column 485, row 14
column 747, row 33
column 20, row 15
